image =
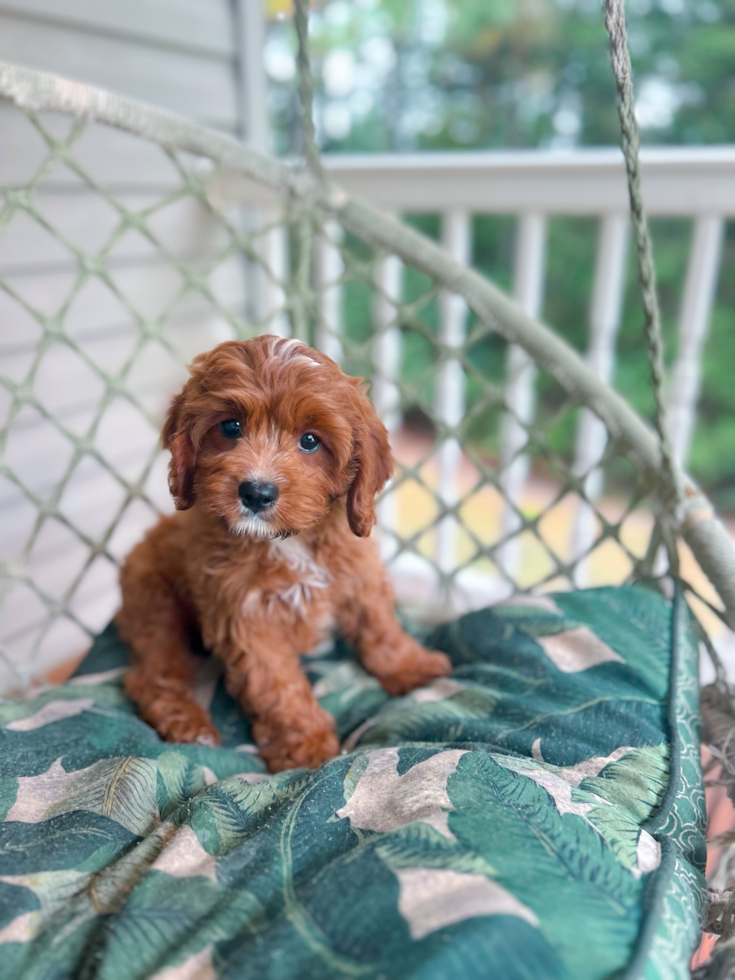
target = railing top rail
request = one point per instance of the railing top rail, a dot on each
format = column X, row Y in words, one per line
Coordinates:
column 599, row 158
column 685, row 181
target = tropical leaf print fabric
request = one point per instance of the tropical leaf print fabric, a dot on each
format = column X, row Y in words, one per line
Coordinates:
column 538, row 814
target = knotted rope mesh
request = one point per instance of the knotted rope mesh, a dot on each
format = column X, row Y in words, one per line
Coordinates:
column 99, row 332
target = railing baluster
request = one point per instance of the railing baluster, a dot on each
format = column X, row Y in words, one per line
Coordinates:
column 275, row 254
column 530, row 256
column 605, row 311
column 450, row 394
column 329, row 270
column 699, row 294
column 387, row 361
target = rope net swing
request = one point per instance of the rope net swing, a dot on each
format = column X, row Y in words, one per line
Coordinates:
column 219, row 241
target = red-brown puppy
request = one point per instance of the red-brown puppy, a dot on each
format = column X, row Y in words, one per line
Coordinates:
column 276, row 457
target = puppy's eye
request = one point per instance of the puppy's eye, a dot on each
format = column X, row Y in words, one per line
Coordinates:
column 309, row 442
column 231, row 429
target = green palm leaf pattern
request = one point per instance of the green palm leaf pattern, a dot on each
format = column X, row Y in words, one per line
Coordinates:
column 536, row 816
column 122, row 789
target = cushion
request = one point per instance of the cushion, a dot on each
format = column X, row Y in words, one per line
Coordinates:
column 538, row 814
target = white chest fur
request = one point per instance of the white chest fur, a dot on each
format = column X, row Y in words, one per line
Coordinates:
column 303, row 579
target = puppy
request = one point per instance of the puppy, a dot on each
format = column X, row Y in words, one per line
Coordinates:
column 276, row 457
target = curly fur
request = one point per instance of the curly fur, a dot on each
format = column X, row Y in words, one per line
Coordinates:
column 263, row 589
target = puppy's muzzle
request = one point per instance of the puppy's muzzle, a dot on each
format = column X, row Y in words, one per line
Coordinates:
column 257, row 496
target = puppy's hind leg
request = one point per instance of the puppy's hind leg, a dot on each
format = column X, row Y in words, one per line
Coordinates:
column 160, row 679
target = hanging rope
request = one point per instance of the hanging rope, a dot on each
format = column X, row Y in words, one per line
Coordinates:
column 306, row 88
column 620, row 58
column 309, row 217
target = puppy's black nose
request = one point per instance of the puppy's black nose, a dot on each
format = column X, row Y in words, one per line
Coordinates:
column 257, row 496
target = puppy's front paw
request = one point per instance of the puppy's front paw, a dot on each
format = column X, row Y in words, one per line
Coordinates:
column 188, row 722
column 304, row 743
column 412, row 666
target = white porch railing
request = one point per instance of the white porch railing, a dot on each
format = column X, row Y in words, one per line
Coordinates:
column 695, row 183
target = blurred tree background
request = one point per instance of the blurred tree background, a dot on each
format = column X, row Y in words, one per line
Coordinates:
column 408, row 75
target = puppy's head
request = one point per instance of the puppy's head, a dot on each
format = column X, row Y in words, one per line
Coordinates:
column 268, row 433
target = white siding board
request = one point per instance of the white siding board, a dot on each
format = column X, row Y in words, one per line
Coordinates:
column 21, row 611
column 87, row 222
column 200, row 26
column 41, row 455
column 199, row 88
column 151, row 290
column 85, row 485
column 115, row 159
column 97, row 597
column 69, row 390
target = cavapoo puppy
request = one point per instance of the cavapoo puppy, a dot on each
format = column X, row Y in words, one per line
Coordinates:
column 276, row 458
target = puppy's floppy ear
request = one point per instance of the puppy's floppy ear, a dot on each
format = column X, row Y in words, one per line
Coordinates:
column 176, row 437
column 374, row 466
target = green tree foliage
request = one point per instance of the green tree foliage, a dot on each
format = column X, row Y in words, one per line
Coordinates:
column 398, row 75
